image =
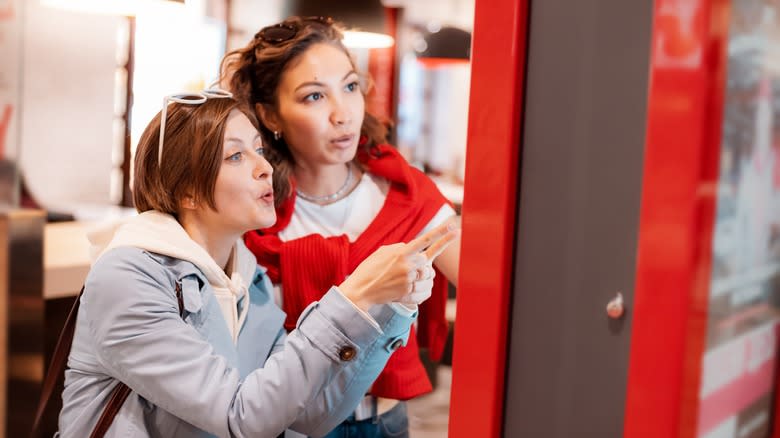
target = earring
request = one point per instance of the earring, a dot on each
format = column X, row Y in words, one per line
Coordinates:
column 277, row 135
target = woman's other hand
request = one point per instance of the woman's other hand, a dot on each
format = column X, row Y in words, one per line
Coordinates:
column 422, row 286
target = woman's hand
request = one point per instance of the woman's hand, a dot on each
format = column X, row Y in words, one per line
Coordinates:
column 399, row 271
column 422, row 286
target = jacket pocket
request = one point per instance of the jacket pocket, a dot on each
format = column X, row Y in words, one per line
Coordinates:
column 395, row 422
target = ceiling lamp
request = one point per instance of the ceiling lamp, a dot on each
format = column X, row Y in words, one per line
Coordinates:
column 365, row 19
column 447, row 45
column 113, row 7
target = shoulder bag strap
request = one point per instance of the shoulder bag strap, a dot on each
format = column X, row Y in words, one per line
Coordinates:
column 57, row 364
column 57, row 369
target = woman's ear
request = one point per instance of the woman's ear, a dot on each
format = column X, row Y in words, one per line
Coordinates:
column 188, row 203
column 267, row 117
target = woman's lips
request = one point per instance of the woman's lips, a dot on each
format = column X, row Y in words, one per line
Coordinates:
column 268, row 197
column 343, row 142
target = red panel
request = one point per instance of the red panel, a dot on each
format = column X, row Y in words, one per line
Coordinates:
column 489, row 217
column 685, row 106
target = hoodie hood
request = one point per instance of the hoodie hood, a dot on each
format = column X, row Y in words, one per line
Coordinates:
column 161, row 233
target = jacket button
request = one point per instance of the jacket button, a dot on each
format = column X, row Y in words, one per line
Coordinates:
column 396, row 344
column 347, row 353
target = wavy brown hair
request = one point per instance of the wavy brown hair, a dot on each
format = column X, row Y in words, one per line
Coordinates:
column 192, row 155
column 253, row 74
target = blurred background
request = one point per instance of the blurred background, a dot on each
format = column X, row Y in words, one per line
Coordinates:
column 78, row 76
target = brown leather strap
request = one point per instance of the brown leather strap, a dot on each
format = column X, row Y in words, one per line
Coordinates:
column 118, row 396
column 180, row 299
column 59, row 363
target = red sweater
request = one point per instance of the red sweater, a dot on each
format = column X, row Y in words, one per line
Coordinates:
column 308, row 266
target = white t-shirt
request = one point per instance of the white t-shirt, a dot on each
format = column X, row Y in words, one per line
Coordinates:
column 350, row 215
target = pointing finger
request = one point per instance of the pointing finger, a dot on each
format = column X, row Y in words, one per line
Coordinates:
column 429, row 238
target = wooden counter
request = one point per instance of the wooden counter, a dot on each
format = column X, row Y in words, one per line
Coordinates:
column 65, row 258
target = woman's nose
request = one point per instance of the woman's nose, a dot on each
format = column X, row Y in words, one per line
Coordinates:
column 340, row 113
column 263, row 168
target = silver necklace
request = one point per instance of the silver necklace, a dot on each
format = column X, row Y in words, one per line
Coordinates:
column 332, row 196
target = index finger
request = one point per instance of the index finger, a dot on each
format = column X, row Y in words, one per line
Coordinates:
column 440, row 245
column 429, row 238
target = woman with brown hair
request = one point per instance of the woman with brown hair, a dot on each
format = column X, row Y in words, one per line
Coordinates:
column 341, row 193
column 177, row 322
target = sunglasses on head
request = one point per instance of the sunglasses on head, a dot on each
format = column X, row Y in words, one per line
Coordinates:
column 187, row 99
column 284, row 31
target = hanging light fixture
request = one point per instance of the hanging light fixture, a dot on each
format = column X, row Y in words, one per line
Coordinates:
column 445, row 45
column 113, row 7
column 365, row 19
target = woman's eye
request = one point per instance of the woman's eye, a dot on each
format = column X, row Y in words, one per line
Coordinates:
column 353, row 86
column 313, row 97
column 234, row 157
column 260, row 150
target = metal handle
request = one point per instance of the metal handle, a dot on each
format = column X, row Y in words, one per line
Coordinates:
column 615, row 308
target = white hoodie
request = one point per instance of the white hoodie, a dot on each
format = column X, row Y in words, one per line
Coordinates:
column 160, row 233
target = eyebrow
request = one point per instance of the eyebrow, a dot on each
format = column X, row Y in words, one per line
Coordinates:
column 236, row 139
column 317, row 83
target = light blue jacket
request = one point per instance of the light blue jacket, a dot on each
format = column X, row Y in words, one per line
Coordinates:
column 189, row 379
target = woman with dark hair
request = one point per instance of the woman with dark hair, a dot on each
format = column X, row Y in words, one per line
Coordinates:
column 177, row 317
column 341, row 193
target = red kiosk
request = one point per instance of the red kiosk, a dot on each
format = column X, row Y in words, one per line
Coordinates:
column 629, row 147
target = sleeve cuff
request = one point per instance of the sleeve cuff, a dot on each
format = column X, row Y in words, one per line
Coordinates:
column 362, row 313
column 405, row 310
column 336, row 312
